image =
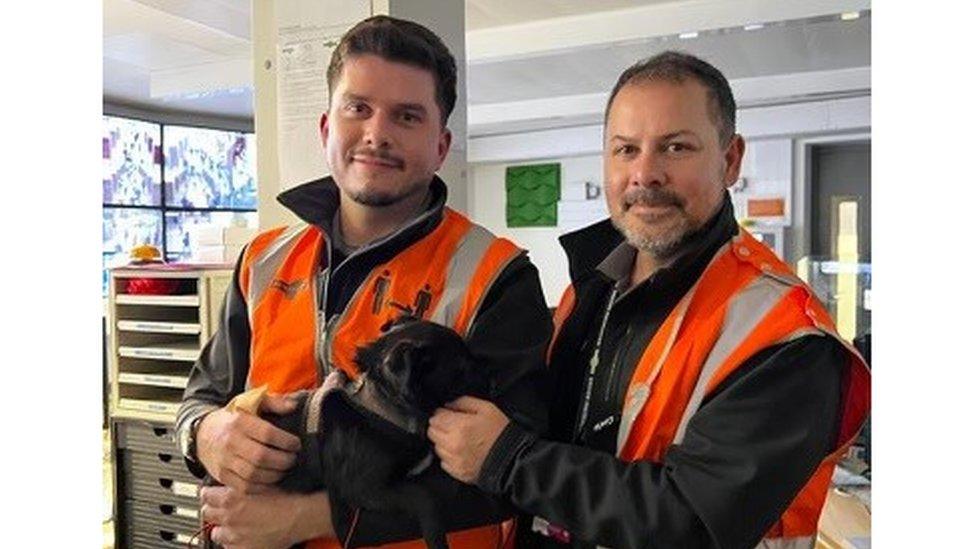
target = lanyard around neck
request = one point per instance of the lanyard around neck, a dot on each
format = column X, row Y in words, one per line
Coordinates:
column 594, row 362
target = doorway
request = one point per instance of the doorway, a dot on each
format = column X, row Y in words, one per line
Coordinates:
column 840, row 232
column 840, row 205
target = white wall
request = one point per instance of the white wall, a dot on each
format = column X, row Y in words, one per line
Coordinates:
column 767, row 169
column 486, row 193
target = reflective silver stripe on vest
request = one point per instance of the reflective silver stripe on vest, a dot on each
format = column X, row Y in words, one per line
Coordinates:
column 265, row 265
column 467, row 257
column 745, row 311
column 491, row 282
column 802, row 542
column 638, row 398
column 635, row 403
column 464, row 263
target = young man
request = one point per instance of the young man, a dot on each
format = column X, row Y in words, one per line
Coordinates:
column 702, row 396
column 377, row 240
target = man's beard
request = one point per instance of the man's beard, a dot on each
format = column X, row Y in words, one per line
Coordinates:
column 663, row 245
column 377, row 199
column 380, row 199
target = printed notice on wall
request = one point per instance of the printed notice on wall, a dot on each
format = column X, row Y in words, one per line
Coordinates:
column 308, row 32
column 302, row 98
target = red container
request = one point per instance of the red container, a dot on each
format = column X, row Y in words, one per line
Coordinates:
column 152, row 286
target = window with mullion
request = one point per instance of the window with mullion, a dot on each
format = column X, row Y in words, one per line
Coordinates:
column 204, row 177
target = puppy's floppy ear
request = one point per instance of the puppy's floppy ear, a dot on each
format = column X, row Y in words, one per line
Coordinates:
column 404, row 361
column 368, row 357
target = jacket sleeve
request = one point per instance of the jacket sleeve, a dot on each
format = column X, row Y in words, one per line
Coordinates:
column 747, row 452
column 221, row 370
column 509, row 337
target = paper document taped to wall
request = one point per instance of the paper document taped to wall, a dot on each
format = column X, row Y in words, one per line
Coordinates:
column 308, row 32
column 303, row 97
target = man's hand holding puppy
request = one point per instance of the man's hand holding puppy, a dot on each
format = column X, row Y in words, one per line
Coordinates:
column 271, row 519
column 248, row 455
column 463, row 433
column 243, row 451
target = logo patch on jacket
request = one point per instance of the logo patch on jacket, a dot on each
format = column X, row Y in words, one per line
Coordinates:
column 290, row 289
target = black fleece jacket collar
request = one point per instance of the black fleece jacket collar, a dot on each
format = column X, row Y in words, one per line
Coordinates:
column 317, row 202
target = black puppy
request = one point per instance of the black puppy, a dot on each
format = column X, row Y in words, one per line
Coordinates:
column 363, row 439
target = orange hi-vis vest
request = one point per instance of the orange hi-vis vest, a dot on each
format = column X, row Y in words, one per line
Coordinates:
column 746, row 300
column 443, row 277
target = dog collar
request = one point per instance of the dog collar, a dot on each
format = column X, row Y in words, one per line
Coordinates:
column 364, row 397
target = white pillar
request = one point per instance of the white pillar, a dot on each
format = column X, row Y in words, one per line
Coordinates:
column 264, row 38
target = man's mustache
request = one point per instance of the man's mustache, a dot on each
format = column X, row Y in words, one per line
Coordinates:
column 377, row 154
column 652, row 197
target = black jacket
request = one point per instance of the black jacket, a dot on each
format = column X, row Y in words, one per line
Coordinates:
column 748, row 450
column 509, row 337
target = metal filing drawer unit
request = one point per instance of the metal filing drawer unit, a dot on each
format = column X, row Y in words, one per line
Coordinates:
column 157, row 501
column 153, row 341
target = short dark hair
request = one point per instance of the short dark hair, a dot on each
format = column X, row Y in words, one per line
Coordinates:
column 404, row 42
column 676, row 67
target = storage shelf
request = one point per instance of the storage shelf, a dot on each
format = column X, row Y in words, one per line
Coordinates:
column 155, row 327
column 156, row 380
column 153, row 341
column 162, row 351
column 152, row 406
column 173, row 300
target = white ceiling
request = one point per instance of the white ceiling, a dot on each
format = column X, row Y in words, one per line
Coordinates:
column 531, row 64
column 146, row 40
column 481, row 14
column 778, row 49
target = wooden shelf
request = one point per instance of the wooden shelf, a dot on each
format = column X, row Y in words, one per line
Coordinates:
column 162, row 351
column 172, row 300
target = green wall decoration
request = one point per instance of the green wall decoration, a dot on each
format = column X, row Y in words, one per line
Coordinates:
column 532, row 193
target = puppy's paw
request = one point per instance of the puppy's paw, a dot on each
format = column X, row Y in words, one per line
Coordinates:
column 291, row 421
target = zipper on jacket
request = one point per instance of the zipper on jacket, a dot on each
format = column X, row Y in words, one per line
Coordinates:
column 329, row 328
column 336, row 318
column 320, row 302
column 322, row 367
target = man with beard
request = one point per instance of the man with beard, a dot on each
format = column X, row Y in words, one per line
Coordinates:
column 702, row 396
column 377, row 243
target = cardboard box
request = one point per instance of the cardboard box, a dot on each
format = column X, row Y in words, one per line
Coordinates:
column 845, row 522
column 211, row 235
column 216, row 254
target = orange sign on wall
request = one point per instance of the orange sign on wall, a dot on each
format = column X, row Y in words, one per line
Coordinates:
column 766, row 207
